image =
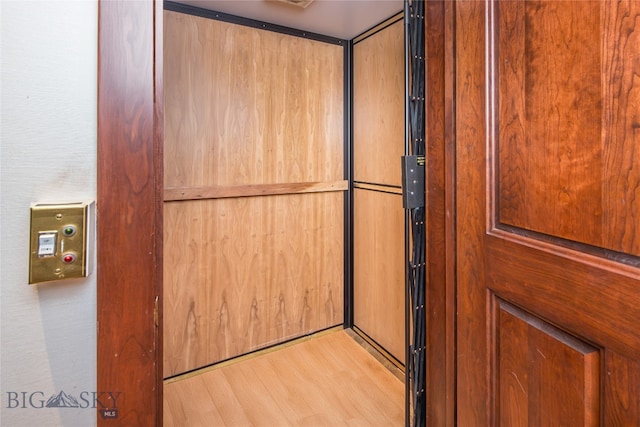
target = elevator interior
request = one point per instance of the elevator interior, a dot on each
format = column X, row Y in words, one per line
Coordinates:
column 283, row 211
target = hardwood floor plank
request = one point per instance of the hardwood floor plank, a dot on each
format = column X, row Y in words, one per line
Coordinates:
column 366, row 373
column 362, row 376
column 258, row 405
column 185, row 407
column 325, row 381
column 320, row 381
column 227, row 403
column 284, row 389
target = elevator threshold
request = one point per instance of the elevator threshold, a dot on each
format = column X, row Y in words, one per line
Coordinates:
column 329, row 379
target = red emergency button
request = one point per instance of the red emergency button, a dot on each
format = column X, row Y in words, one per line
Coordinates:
column 68, row 258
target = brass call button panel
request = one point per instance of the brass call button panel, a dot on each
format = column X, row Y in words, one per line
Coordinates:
column 61, row 236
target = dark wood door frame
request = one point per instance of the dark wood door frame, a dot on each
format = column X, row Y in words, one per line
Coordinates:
column 129, row 213
column 440, row 197
column 129, row 209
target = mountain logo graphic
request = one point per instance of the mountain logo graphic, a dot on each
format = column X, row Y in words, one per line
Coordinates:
column 62, row 400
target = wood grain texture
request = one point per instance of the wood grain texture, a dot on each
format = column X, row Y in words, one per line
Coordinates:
column 378, row 267
column 550, row 115
column 448, row 389
column 194, row 193
column 538, row 363
column 378, row 106
column 588, row 297
column 247, row 106
column 250, row 113
column 620, row 22
column 568, row 114
column 440, row 356
column 159, row 208
column 129, row 210
column 472, row 392
column 241, row 274
column 286, row 389
column 622, row 408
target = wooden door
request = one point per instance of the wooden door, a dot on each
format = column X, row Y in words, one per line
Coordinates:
column 548, row 234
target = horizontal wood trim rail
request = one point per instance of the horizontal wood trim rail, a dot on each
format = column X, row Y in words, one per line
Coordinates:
column 174, row 194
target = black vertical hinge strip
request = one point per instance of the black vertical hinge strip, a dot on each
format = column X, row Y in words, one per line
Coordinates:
column 413, row 170
column 348, row 175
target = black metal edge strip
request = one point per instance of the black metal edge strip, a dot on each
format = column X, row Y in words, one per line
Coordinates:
column 376, row 184
column 234, row 19
column 256, row 352
column 407, row 235
column 415, row 24
column 376, row 190
column 379, row 348
column 348, row 175
column 379, row 27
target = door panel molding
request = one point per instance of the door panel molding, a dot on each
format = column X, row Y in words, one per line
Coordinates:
column 571, row 287
column 619, row 263
column 556, row 176
column 549, row 163
column 560, row 290
column 528, row 353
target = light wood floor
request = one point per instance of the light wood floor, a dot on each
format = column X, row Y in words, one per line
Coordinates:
column 328, row 380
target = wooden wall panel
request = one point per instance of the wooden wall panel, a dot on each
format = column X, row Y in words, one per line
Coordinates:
column 378, row 144
column 378, row 109
column 379, row 268
column 250, row 112
column 243, row 273
column 249, row 106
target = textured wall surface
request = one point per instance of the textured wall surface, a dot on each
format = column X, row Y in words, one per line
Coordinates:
column 48, row 154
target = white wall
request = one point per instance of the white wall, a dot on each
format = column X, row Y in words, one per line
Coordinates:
column 47, row 154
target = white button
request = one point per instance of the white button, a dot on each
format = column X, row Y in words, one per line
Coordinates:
column 46, row 244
